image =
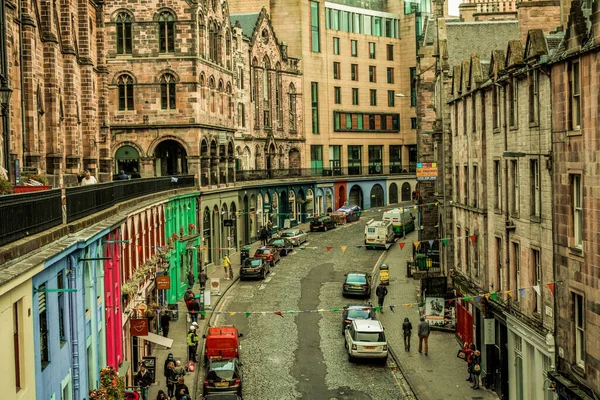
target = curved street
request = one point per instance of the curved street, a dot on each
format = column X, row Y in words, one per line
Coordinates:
column 301, row 354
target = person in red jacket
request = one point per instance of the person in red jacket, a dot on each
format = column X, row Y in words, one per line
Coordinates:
column 469, row 349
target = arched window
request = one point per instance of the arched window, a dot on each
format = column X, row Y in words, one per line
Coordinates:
column 123, row 34
column 125, row 83
column 166, row 32
column 266, row 93
column 201, row 36
column 167, row 92
column 221, row 95
column 292, row 94
column 278, row 87
column 211, row 88
column 229, row 101
column 228, row 50
column 256, row 82
column 202, row 92
column 241, row 115
column 212, row 42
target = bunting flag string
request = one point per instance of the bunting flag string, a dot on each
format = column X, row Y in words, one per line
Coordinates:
column 378, row 309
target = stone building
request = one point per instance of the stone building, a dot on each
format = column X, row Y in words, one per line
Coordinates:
column 355, row 59
column 575, row 169
column 56, row 70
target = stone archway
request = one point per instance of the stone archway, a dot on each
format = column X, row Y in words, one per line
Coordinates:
column 341, row 196
column 377, row 198
column 356, row 196
column 204, row 164
column 207, row 236
column 170, row 158
column 233, row 230
column 393, row 197
column 406, row 191
column 127, row 158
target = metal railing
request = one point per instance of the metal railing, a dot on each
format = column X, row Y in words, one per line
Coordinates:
column 86, row 200
column 26, row 214
column 367, row 170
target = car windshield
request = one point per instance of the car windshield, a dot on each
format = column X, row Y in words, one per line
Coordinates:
column 222, row 370
column 263, row 251
column 357, row 313
column 288, row 234
column 372, row 337
column 276, row 242
column 356, row 278
column 252, row 263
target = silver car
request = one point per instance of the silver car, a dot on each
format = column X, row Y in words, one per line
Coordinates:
column 296, row 236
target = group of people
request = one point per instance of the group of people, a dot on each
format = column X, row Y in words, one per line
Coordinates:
column 265, row 233
column 89, row 179
column 473, row 358
column 174, row 374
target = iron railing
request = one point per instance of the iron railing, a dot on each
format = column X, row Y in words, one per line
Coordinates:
column 86, row 200
column 26, row 214
column 367, row 170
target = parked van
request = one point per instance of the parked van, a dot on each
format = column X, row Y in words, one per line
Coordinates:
column 222, row 342
column 379, row 233
column 402, row 220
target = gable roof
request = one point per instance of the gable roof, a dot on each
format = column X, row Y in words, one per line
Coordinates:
column 247, row 22
column 514, row 54
column 535, row 45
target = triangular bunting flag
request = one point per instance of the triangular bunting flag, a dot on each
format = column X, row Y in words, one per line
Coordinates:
column 477, row 298
column 247, row 314
column 321, row 310
column 378, row 309
column 450, row 301
column 291, row 311
column 278, row 313
column 551, row 287
column 431, row 243
column 307, row 311
column 392, row 308
column 344, row 249
column 402, row 244
column 218, row 249
column 203, row 313
column 263, row 312
column 445, row 241
column 329, row 248
column 487, row 296
column 473, row 237
column 140, row 248
column 537, row 289
column 468, row 298
column 335, row 309
column 522, row 291
column 494, row 296
column 417, row 243
column 232, row 313
column 408, row 305
column 302, row 248
column 509, row 293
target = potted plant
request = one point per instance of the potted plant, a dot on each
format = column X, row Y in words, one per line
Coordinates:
column 5, row 186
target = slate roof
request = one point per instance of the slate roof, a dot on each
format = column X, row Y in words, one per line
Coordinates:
column 482, row 37
column 430, row 28
column 247, row 22
column 554, row 39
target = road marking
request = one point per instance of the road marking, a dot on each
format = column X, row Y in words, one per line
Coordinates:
column 262, row 286
column 268, row 279
column 221, row 307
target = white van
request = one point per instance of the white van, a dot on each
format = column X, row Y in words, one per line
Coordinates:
column 402, row 220
column 379, row 234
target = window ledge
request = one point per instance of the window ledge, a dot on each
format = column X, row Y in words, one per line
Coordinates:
column 575, row 132
column 579, row 369
column 496, row 130
column 513, row 128
column 535, row 218
column 497, row 211
column 534, row 124
column 575, row 250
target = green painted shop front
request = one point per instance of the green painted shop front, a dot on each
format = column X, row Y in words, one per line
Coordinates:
column 181, row 231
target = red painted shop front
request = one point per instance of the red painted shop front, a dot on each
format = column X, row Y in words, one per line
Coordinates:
column 464, row 320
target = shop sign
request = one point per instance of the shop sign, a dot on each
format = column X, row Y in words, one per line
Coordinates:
column 163, row 282
column 138, row 327
column 489, row 331
column 427, row 171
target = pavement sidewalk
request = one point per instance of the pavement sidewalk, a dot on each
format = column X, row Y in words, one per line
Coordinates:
column 440, row 374
column 178, row 330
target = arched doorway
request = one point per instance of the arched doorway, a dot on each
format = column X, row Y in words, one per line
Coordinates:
column 214, row 162
column 341, row 198
column 406, row 191
column 234, row 228
column 170, row 158
column 266, row 210
column 283, row 209
column 356, row 197
column 127, row 159
column 253, row 221
column 328, row 201
column 246, row 214
column 274, row 215
column 259, row 210
column 294, row 162
column 310, row 206
column 377, row 199
column 300, row 207
column 271, row 157
column 319, row 202
column 393, row 193
column 204, row 163
column 215, row 234
column 207, row 237
column 292, row 207
column 225, row 231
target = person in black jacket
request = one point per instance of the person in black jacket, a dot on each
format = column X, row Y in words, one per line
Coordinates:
column 165, row 321
column 407, row 329
column 381, row 292
column 122, row 176
column 181, row 390
column 194, row 309
column 169, row 359
column 144, row 380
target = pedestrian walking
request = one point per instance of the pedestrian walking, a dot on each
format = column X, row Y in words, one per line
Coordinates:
column 192, row 341
column 181, row 390
column 161, row 395
column 167, row 361
column 226, row 266
column 476, row 368
column 165, row 321
column 171, row 379
column 468, row 350
column 179, row 369
column 88, row 179
column 407, row 329
column 194, row 309
column 190, row 278
column 381, row 292
column 423, row 331
column 263, row 234
column 203, row 278
column 144, row 380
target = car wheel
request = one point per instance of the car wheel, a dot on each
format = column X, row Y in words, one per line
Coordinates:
column 350, row 358
column 325, row 228
column 264, row 274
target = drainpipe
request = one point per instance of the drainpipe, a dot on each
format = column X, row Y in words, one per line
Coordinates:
column 72, row 263
column 22, row 70
column 4, row 84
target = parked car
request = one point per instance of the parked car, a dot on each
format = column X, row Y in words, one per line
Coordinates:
column 352, row 212
column 366, row 339
column 222, row 396
column 223, row 375
column 355, row 312
column 322, row 223
column 254, row 268
column 357, row 284
column 296, row 236
column 221, row 341
column 270, row 254
column 282, row 244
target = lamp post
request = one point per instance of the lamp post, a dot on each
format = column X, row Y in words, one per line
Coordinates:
column 5, row 93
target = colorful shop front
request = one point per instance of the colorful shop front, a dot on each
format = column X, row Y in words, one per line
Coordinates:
column 284, row 205
column 222, row 225
column 367, row 192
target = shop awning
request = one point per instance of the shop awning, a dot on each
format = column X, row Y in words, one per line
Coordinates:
column 154, row 338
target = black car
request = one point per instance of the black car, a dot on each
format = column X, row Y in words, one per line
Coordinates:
column 223, row 375
column 322, row 223
column 357, row 284
column 254, row 268
column 282, row 244
column 222, row 396
column 356, row 311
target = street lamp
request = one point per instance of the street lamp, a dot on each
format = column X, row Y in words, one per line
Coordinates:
column 5, row 93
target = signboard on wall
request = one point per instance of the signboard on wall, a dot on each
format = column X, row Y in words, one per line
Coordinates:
column 427, row 171
column 489, row 331
column 138, row 327
column 163, row 282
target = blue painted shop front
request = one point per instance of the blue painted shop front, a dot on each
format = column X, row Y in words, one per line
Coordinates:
column 278, row 203
column 70, row 344
column 367, row 193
